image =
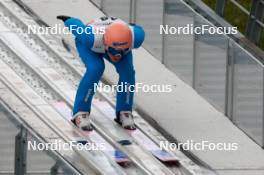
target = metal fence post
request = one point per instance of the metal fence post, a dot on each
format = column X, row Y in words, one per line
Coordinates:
column 54, row 169
column 263, row 107
column 102, row 5
column 21, row 152
column 132, row 11
column 254, row 28
column 163, row 36
column 229, row 90
column 220, row 7
column 194, row 71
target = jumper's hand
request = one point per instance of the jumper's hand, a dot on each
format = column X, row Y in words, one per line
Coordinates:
column 63, row 17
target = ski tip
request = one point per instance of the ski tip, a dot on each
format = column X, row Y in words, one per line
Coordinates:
column 166, row 157
column 82, row 142
column 172, row 162
column 125, row 142
column 124, row 162
column 121, row 159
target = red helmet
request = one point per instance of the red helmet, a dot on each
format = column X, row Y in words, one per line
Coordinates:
column 117, row 39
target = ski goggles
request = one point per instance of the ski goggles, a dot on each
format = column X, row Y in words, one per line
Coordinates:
column 118, row 52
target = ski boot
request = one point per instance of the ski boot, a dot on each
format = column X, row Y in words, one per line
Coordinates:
column 83, row 121
column 126, row 120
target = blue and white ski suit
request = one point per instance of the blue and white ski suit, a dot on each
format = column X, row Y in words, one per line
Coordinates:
column 92, row 52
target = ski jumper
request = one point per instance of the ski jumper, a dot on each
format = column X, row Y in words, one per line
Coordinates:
column 91, row 49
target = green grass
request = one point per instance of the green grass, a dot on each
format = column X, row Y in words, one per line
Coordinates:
column 210, row 3
column 236, row 17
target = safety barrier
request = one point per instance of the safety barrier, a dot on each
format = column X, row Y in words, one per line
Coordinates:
column 24, row 157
